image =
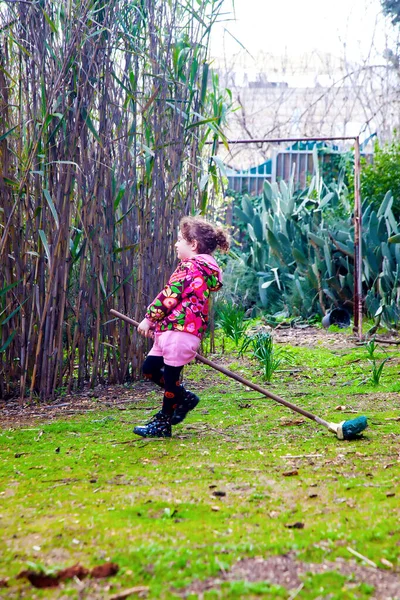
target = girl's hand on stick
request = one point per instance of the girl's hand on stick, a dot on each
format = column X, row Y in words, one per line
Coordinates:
column 145, row 328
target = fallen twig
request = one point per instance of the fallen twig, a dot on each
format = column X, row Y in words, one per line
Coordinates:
column 126, row 593
column 296, row 592
column 382, row 341
column 303, row 456
column 364, row 558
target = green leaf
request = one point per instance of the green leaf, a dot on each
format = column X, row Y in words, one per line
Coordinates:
column 103, row 287
column 45, row 244
column 64, row 162
column 317, row 240
column 14, row 312
column 12, row 182
column 74, row 243
column 258, row 228
column 386, row 204
column 266, row 284
column 284, row 191
column 252, row 235
column 267, row 191
column 89, row 123
column 241, row 215
column 8, row 342
column 394, row 239
column 203, row 181
column 346, row 249
column 7, row 133
column 9, row 287
column 286, row 247
column 328, row 260
column 299, row 257
column 80, row 251
column 53, row 132
column 204, row 81
column 125, row 248
column 326, row 199
column 299, row 288
column 120, row 195
column 273, row 242
column 202, row 122
column 275, row 272
column 247, row 208
column 50, row 22
column 20, row 46
column 220, row 165
column 52, row 207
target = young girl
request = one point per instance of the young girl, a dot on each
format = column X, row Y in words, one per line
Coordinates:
column 177, row 318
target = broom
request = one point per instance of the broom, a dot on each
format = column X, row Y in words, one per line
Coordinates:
column 346, row 430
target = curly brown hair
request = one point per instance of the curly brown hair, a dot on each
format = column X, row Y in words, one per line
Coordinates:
column 208, row 236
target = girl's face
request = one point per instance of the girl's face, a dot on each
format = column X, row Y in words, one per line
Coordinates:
column 185, row 249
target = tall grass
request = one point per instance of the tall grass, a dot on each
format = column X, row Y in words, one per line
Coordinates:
column 104, row 110
column 268, row 356
column 376, row 368
column 230, row 317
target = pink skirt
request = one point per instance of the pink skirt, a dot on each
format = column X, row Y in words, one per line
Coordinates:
column 177, row 348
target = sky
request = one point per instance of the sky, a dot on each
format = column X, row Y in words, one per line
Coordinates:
column 293, row 26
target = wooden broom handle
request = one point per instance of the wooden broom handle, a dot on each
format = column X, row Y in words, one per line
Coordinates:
column 238, row 378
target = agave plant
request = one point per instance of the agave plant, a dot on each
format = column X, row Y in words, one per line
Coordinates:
column 305, row 256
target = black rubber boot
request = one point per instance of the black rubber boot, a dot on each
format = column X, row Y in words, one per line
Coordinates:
column 188, row 403
column 158, row 427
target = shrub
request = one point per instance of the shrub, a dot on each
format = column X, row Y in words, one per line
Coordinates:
column 382, row 176
column 240, row 283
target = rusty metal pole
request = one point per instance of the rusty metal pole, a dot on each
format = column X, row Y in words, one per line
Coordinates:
column 357, row 309
column 280, row 140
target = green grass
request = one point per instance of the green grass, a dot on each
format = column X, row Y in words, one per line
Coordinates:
column 150, row 505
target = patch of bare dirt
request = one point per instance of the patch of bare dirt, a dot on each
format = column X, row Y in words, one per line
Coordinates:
column 287, row 572
column 313, row 336
column 14, row 413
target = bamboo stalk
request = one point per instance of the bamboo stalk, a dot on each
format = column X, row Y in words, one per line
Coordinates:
column 106, row 104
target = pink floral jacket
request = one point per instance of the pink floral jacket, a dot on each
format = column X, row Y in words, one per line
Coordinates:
column 183, row 304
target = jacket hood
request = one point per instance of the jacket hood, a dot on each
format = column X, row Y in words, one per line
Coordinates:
column 208, row 264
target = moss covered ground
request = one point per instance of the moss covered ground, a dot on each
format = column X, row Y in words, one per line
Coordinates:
column 242, row 478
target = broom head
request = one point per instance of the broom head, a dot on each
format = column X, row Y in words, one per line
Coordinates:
column 348, row 430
